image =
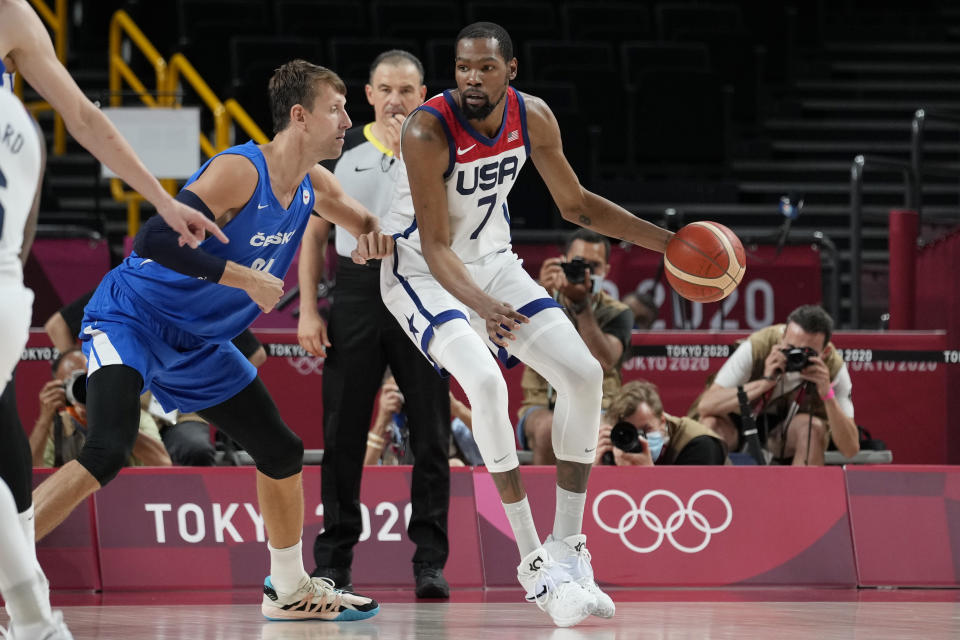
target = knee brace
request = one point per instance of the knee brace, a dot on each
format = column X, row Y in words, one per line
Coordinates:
column 113, row 414
column 283, row 457
column 103, row 458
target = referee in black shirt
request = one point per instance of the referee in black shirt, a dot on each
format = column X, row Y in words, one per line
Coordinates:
column 363, row 339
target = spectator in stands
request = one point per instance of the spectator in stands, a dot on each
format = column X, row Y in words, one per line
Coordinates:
column 664, row 439
column 604, row 324
column 644, row 309
column 388, row 437
column 61, row 428
column 363, row 340
column 186, row 437
column 797, row 386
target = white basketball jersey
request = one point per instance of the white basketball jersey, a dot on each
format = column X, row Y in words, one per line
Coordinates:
column 20, row 159
column 478, row 179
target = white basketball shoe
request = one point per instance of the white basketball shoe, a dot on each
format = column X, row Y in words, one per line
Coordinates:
column 551, row 587
column 572, row 554
column 53, row 629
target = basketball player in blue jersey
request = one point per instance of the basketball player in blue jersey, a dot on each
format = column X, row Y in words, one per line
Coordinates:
column 459, row 290
column 164, row 318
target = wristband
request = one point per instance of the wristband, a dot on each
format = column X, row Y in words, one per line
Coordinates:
column 830, row 394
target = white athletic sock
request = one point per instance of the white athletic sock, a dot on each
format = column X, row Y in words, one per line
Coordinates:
column 521, row 521
column 568, row 520
column 22, row 584
column 286, row 567
column 27, row 523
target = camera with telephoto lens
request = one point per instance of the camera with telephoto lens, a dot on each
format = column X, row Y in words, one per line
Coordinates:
column 798, row 358
column 625, row 437
column 575, row 270
column 75, row 387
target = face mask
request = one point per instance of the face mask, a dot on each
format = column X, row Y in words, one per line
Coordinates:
column 655, row 442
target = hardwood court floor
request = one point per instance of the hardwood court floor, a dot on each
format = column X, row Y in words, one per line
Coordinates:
column 739, row 615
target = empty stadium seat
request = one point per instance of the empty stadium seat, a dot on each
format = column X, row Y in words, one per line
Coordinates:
column 613, row 21
column 415, row 18
column 678, row 117
column 321, row 18
column 591, row 67
column 253, row 60
column 351, row 57
column 523, row 20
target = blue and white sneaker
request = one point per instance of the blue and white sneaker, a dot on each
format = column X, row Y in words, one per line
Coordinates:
column 316, row 599
column 572, row 554
column 551, row 587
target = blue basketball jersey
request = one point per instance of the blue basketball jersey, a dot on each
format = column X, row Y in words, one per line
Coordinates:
column 263, row 236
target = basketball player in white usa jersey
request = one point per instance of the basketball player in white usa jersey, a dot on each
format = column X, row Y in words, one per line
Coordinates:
column 25, row 47
column 459, row 290
column 22, row 583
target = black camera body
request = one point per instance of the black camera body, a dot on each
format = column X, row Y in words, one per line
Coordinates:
column 75, row 387
column 798, row 358
column 575, row 270
column 625, row 437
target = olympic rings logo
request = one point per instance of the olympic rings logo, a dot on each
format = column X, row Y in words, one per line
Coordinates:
column 305, row 365
column 653, row 522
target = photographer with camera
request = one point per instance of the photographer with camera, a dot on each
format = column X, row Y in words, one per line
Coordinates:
column 604, row 323
column 61, row 429
column 797, row 386
column 637, row 432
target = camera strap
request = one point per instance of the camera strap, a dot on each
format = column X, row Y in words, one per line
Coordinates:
column 748, row 428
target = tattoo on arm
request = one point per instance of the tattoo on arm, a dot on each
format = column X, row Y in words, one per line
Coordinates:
column 585, row 220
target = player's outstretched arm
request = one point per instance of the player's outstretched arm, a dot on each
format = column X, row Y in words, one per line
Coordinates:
column 334, row 205
column 576, row 204
column 33, row 56
column 426, row 155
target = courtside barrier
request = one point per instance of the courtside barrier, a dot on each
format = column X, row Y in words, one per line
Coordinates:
column 906, row 525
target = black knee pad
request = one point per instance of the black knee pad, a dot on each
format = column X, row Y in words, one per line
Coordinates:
column 113, row 416
column 103, row 459
column 283, row 458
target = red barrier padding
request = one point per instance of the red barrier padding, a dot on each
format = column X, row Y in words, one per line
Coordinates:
column 690, row 526
column 200, row 528
column 904, row 228
column 906, row 525
column 186, row 528
column 938, row 307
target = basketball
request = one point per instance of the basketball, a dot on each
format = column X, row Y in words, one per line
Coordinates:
column 704, row 262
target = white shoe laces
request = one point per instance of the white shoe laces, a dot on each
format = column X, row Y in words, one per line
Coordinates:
column 547, row 579
column 321, row 595
column 584, row 567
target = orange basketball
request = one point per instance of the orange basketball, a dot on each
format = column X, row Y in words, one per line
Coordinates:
column 704, row 262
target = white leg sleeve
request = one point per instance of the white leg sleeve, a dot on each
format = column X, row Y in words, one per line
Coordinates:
column 470, row 362
column 551, row 345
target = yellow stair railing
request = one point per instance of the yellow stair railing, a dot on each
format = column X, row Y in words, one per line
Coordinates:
column 166, row 93
column 56, row 19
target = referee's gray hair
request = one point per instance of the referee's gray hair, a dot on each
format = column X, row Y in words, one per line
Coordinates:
column 396, row 57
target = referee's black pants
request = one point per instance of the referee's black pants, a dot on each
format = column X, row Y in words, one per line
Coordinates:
column 366, row 338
